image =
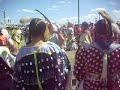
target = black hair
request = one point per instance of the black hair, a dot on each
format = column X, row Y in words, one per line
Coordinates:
column 103, row 27
column 85, row 24
column 36, row 28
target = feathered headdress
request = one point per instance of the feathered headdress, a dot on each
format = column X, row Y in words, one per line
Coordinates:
column 106, row 16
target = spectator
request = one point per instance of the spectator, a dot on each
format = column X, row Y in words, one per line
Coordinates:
column 8, row 41
column 56, row 36
column 7, row 61
column 85, row 36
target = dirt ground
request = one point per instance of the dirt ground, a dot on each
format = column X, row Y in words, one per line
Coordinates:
column 71, row 56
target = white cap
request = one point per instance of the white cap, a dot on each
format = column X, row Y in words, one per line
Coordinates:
column 54, row 27
column 4, row 32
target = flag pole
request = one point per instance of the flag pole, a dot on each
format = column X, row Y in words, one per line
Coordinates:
column 78, row 13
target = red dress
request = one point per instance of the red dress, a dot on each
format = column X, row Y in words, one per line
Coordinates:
column 89, row 64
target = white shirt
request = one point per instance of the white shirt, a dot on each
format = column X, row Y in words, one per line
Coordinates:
column 7, row 56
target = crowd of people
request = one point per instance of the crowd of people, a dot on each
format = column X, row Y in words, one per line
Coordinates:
column 41, row 63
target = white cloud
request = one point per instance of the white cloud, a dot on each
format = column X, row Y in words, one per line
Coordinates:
column 56, row 9
column 97, row 9
column 65, row 20
column 116, row 11
column 69, row 2
column 18, row 10
column 54, row 6
column 41, row 17
column 49, row 9
column 116, row 15
column 89, row 18
column 62, row 2
column 112, row 3
column 7, row 18
column 52, row 9
column 26, row 10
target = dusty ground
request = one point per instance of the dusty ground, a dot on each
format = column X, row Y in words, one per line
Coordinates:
column 71, row 55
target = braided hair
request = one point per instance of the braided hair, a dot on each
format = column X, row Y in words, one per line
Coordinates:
column 36, row 28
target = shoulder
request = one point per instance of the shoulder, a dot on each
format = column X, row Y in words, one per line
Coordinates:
column 87, row 32
column 83, row 34
column 54, row 46
column 26, row 50
column 93, row 46
column 47, row 48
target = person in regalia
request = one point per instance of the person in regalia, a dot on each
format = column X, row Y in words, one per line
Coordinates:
column 41, row 65
column 97, row 66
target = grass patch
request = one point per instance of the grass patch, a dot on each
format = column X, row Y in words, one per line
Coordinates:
column 71, row 56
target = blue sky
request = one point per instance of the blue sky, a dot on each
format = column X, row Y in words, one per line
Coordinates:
column 59, row 11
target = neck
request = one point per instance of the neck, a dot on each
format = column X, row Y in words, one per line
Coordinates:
column 36, row 41
column 84, row 30
column 104, row 44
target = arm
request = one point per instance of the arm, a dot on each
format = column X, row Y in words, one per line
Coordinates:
column 60, row 38
column 115, row 28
